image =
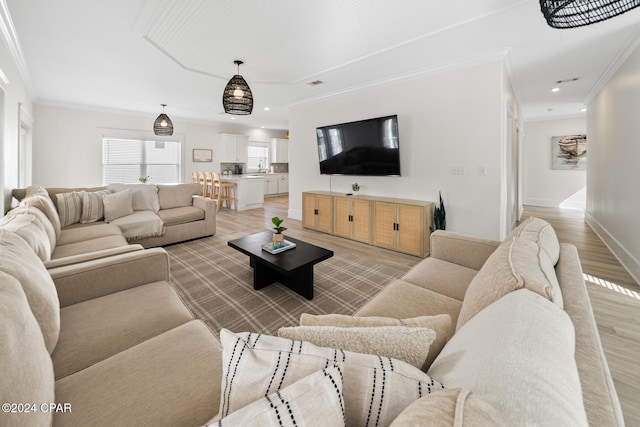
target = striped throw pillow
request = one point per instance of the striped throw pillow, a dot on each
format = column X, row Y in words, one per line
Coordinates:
column 315, row 397
column 376, row 389
column 69, row 207
column 93, row 206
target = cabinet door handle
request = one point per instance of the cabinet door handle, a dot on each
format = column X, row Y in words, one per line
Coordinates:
column 315, row 211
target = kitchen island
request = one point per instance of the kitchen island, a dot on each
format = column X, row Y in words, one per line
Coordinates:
column 250, row 189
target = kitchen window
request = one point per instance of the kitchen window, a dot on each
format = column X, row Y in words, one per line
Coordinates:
column 258, row 156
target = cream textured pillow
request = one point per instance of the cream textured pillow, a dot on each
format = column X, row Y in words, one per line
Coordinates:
column 375, row 388
column 454, row 407
column 518, row 355
column 69, row 207
column 46, row 206
column 440, row 324
column 29, row 228
column 117, row 205
column 404, row 343
column 93, row 206
column 43, row 220
column 304, row 403
column 144, row 196
column 515, row 264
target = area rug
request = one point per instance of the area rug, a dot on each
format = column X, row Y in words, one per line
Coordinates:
column 216, row 282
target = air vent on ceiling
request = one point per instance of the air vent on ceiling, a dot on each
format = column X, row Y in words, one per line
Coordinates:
column 315, row 83
column 573, row 79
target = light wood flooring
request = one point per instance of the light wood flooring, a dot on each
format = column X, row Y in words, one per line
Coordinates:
column 614, row 294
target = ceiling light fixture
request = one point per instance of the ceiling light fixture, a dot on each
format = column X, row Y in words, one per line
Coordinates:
column 578, row 13
column 555, row 89
column 237, row 97
column 163, row 125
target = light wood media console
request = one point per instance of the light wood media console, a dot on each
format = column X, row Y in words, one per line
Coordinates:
column 398, row 224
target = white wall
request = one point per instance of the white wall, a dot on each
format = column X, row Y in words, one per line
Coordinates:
column 13, row 93
column 544, row 186
column 445, row 120
column 613, row 172
column 67, row 150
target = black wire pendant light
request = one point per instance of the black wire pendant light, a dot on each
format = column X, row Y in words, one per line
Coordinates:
column 163, row 125
column 237, row 97
column 578, row 13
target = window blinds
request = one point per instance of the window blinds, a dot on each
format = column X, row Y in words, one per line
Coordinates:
column 127, row 160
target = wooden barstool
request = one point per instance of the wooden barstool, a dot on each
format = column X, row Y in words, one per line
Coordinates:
column 194, row 177
column 209, row 189
column 203, row 182
column 226, row 192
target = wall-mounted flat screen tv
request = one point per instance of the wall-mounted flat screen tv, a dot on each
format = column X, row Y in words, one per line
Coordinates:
column 365, row 147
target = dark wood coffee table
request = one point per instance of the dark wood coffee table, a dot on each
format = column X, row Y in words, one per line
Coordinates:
column 293, row 268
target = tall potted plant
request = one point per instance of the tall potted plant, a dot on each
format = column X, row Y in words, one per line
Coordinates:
column 278, row 237
column 439, row 216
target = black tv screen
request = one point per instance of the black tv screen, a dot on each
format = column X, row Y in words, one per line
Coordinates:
column 365, row 147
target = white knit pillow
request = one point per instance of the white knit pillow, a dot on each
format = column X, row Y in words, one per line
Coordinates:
column 404, row 343
column 117, row 205
column 304, row 403
column 93, row 206
column 69, row 207
column 376, row 389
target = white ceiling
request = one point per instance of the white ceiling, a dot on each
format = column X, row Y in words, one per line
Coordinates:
column 132, row 55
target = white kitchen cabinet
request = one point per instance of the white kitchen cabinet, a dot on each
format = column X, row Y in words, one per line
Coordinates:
column 279, row 150
column 283, row 183
column 270, row 185
column 233, row 148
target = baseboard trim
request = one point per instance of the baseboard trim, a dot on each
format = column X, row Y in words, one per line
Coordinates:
column 626, row 259
column 295, row 214
column 542, row 202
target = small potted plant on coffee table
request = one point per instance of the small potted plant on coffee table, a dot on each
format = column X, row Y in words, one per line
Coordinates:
column 278, row 237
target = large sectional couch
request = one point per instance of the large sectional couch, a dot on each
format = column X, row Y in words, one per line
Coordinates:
column 111, row 338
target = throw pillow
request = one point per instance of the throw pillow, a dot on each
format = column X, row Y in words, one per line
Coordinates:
column 518, row 354
column 31, row 230
column 93, row 206
column 117, row 205
column 42, row 220
column 440, row 324
column 69, row 207
column 35, row 189
column 375, row 388
column 46, row 206
column 144, row 196
column 454, row 407
column 404, row 343
column 515, row 264
column 305, row 402
column 541, row 232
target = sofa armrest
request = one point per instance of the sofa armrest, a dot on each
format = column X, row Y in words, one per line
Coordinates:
column 206, row 204
column 104, row 253
column 100, row 277
column 460, row 249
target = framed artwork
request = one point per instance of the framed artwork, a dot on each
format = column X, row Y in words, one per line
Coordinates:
column 569, row 152
column 202, row 155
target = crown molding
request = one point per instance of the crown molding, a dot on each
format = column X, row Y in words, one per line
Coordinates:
column 555, row 118
column 8, row 31
column 630, row 45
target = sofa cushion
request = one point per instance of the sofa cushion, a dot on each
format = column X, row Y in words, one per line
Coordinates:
column 117, row 205
column 401, row 300
column 454, row 407
column 92, row 245
column 181, row 215
column 69, row 207
column 93, row 206
column 411, row 345
column 517, row 355
column 516, row 264
column 42, row 218
column 313, row 398
column 54, row 191
column 47, row 207
column 82, row 232
column 374, row 387
column 440, row 324
column 541, row 232
column 18, row 260
column 27, row 373
column 140, row 224
column 178, row 195
column 144, row 196
column 94, row 330
column 167, row 380
column 440, row 276
column 31, row 230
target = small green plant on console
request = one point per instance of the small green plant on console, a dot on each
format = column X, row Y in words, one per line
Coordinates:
column 439, row 216
column 355, row 187
column 144, row 179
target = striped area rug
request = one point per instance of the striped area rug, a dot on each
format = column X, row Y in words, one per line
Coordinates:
column 216, row 282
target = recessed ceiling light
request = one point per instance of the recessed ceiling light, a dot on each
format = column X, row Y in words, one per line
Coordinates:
column 233, row 118
column 584, row 110
column 267, row 108
column 555, row 89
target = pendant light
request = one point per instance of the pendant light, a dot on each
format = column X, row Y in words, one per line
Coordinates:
column 163, row 125
column 237, row 97
column 578, row 13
